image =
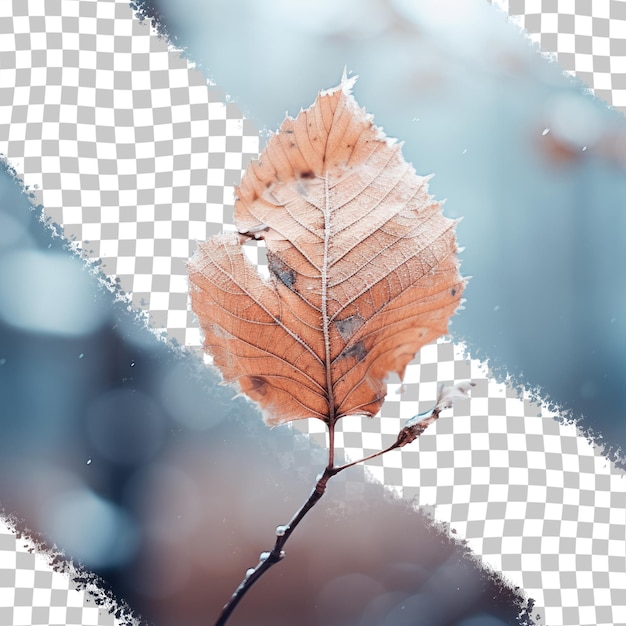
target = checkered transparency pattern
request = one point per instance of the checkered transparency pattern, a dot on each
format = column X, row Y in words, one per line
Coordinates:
column 135, row 157
column 531, row 495
column 31, row 592
column 587, row 37
column 129, row 149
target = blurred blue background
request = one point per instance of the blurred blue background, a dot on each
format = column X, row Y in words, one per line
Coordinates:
column 123, row 450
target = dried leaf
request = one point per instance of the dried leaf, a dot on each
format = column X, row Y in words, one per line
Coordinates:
column 363, row 268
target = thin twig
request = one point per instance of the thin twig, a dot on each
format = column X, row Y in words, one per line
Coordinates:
column 411, row 431
column 368, row 458
column 268, row 559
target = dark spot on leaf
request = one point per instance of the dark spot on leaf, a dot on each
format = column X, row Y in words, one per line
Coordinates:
column 307, row 174
column 453, row 291
column 348, row 326
column 280, row 270
column 292, row 145
column 255, row 385
column 356, row 350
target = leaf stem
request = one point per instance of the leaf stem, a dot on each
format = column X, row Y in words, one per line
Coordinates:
column 331, row 444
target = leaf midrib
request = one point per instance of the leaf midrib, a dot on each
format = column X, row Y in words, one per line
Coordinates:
column 325, row 319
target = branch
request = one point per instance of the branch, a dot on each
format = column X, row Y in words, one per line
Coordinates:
column 268, row 559
column 413, row 428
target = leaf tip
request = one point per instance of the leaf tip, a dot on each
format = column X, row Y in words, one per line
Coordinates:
column 345, row 85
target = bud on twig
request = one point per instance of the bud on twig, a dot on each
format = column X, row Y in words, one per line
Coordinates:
column 446, row 397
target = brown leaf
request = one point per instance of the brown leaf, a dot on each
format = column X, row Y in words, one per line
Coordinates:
column 363, row 268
